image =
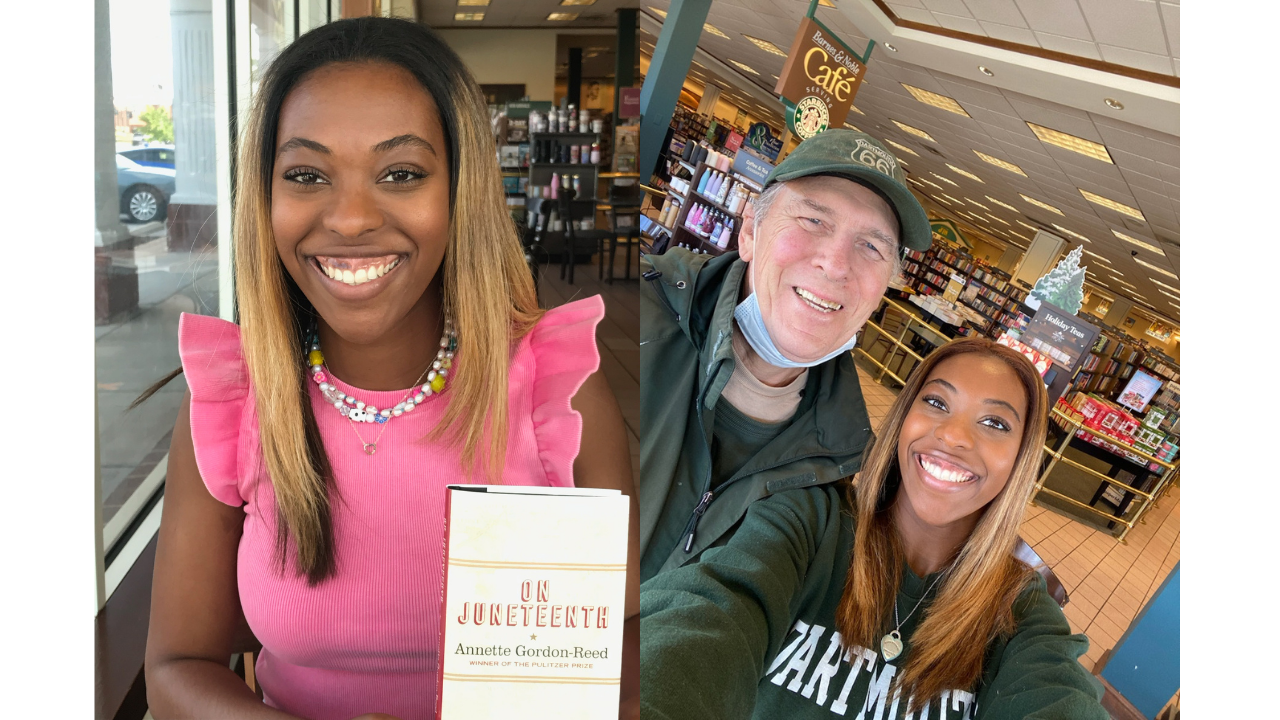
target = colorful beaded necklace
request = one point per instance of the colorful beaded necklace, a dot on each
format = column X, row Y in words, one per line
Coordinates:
column 357, row 411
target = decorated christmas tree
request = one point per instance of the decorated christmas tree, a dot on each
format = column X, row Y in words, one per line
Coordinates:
column 1062, row 286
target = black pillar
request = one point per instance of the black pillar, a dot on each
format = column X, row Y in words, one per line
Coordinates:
column 574, row 88
column 627, row 60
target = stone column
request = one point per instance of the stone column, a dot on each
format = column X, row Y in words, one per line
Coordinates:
column 115, row 277
column 710, row 96
column 192, row 221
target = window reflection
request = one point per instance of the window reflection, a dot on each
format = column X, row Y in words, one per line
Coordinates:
column 156, row 236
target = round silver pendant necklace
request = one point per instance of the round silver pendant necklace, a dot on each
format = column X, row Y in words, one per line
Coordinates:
column 891, row 644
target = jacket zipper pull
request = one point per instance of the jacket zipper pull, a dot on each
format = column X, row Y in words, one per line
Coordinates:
column 693, row 521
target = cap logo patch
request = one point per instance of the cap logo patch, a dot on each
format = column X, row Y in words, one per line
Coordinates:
column 871, row 156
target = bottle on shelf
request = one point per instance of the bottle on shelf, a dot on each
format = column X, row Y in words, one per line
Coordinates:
column 702, row 183
column 723, row 241
column 573, row 154
column 573, row 117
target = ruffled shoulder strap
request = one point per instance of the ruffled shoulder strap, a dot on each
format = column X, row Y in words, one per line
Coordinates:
column 216, row 373
column 563, row 346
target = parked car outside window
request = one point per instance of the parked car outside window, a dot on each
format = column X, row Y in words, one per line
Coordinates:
column 144, row 191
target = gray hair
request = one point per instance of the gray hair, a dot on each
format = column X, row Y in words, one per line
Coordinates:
column 763, row 203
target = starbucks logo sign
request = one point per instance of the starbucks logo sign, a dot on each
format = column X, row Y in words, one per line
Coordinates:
column 810, row 117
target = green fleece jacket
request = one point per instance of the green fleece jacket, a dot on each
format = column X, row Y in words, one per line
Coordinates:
column 686, row 358
column 749, row 632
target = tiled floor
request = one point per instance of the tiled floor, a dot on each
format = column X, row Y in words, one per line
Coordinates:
column 617, row 336
column 1107, row 582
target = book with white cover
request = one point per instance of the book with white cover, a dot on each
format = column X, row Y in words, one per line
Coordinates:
column 534, row 601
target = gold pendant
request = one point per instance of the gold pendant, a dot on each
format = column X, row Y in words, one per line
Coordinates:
column 370, row 448
column 891, row 646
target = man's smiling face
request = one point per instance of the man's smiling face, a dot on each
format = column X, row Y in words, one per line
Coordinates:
column 819, row 261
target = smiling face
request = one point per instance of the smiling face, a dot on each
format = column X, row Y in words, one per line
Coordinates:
column 360, row 198
column 820, row 260
column 959, row 442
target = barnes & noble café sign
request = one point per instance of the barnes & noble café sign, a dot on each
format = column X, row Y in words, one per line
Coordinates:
column 820, row 78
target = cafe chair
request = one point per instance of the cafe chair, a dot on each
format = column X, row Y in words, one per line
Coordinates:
column 1023, row 552
column 572, row 212
column 624, row 227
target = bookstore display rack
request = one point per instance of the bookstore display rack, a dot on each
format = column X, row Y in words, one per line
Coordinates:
column 692, row 216
column 1112, row 360
column 987, row 291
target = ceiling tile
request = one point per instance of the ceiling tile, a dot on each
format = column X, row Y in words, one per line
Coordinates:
column 1139, row 180
column 1071, row 46
column 1059, row 17
column 960, row 24
column 1170, row 174
column 1003, row 12
column 1139, row 144
column 1131, row 24
column 1008, row 33
column 1135, row 59
column 948, row 7
column 913, row 14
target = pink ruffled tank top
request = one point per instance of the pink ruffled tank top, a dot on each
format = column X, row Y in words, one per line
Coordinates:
column 367, row 639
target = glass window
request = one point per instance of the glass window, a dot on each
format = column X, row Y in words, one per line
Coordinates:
column 156, row 234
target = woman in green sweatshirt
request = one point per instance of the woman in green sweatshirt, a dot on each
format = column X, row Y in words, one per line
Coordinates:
column 900, row 600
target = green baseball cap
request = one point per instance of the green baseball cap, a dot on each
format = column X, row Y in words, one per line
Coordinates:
column 860, row 157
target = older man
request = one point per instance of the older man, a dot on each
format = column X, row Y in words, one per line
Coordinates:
column 748, row 388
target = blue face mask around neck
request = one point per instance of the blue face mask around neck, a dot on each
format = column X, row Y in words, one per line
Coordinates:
column 751, row 322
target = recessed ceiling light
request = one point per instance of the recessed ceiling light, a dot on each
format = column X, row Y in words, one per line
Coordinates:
column 714, row 31
column 1167, row 287
column 999, row 220
column 765, row 45
column 1043, row 205
column 473, row 3
column 1114, row 104
column 965, row 173
column 468, row 16
column 660, row 13
column 1096, row 255
column 1073, row 234
column 931, row 183
column 1157, row 268
column 562, row 16
column 942, row 102
column 891, row 47
column 913, row 131
column 951, row 198
column 1018, row 234
column 748, row 68
column 901, row 162
column 1169, row 294
column 855, row 109
column 1029, row 226
column 971, row 201
column 945, row 179
column 1113, row 205
column 1140, row 243
column 1004, row 205
column 1000, row 163
column 983, row 69
column 1060, row 139
column 903, row 148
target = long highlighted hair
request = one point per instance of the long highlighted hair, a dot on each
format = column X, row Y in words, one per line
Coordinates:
column 974, row 603
column 488, row 289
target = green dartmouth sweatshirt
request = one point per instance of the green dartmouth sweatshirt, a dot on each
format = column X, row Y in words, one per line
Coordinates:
column 749, row 632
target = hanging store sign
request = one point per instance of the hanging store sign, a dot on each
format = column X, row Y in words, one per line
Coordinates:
column 751, row 167
column 629, row 103
column 760, row 138
column 819, row 80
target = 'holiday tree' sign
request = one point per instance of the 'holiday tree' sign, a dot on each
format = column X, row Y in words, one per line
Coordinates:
column 1062, row 286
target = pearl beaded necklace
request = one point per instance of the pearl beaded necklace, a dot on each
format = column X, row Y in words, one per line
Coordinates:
column 359, row 411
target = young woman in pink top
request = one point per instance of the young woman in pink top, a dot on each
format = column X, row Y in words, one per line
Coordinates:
column 389, row 343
